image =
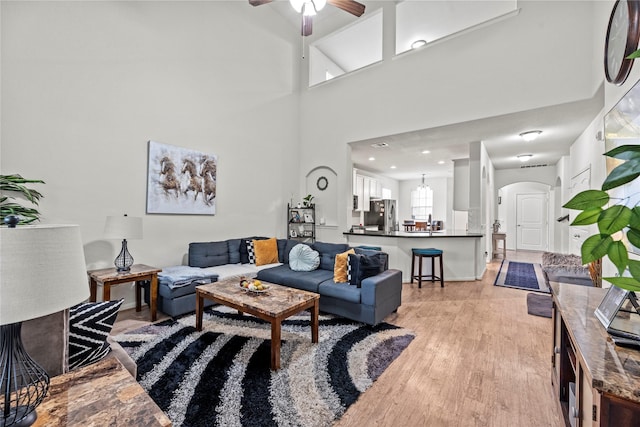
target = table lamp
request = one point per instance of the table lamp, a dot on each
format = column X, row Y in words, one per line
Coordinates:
column 123, row 227
column 42, row 271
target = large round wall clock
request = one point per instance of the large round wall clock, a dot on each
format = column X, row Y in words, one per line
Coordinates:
column 621, row 40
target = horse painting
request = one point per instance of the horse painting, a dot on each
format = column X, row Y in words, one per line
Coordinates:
column 180, row 180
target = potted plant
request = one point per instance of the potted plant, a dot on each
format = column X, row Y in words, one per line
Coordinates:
column 14, row 184
column 616, row 223
column 307, row 201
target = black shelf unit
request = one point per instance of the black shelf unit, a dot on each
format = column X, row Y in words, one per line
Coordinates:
column 301, row 223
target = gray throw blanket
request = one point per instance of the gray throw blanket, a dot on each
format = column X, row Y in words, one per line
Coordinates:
column 183, row 275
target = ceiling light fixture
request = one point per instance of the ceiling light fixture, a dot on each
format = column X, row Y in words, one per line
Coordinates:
column 524, row 157
column 393, row 167
column 441, row 162
column 425, row 151
column 308, row 7
column 423, row 185
column 418, row 43
column 371, row 159
column 530, row 135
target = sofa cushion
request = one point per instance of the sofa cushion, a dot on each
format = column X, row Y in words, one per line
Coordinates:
column 303, row 258
column 305, row 280
column 328, row 252
column 90, row 324
column 361, row 267
column 234, row 250
column 340, row 267
column 266, row 251
column 383, row 257
column 284, row 247
column 342, row 291
column 244, row 252
column 208, row 254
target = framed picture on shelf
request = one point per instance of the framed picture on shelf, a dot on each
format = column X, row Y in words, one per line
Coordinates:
column 295, row 216
column 293, row 233
column 308, row 217
column 308, row 233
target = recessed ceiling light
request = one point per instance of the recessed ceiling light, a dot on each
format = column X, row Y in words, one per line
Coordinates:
column 530, row 135
column 441, row 162
column 425, row 151
column 418, row 43
column 393, row 167
column 372, row 158
column 524, row 157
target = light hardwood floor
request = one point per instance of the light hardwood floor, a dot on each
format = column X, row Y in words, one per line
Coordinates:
column 478, row 359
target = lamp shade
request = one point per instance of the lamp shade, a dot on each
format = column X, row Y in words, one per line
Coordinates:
column 123, row 227
column 42, row 271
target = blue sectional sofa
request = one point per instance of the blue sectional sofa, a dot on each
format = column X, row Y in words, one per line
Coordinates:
column 370, row 302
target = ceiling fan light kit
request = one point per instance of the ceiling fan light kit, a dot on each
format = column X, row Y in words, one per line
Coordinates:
column 309, row 8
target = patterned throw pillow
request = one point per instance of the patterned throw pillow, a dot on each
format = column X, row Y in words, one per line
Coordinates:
column 340, row 267
column 360, row 267
column 251, row 252
column 89, row 326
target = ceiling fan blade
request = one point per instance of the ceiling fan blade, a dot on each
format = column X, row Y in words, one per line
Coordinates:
column 307, row 25
column 351, row 6
column 259, row 2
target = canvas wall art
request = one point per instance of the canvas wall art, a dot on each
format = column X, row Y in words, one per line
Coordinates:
column 180, row 180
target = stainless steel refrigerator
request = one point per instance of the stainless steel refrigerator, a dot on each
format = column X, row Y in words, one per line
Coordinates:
column 383, row 214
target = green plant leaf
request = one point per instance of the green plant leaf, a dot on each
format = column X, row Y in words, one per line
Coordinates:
column 624, row 152
column 634, row 221
column 634, row 237
column 614, row 219
column 587, row 199
column 588, row 216
column 634, row 268
column 634, row 55
column 618, row 255
column 623, row 174
column 628, row 283
column 595, row 247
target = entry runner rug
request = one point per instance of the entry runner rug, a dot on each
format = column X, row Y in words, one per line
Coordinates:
column 522, row 275
column 221, row 376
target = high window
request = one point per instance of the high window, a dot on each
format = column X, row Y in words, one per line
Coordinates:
column 421, row 203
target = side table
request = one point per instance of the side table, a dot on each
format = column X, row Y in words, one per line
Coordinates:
column 101, row 394
column 497, row 237
column 138, row 273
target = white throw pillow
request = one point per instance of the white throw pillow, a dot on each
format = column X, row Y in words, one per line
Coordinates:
column 303, row 258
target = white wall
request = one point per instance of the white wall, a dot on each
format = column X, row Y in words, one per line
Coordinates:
column 85, row 85
column 419, row 90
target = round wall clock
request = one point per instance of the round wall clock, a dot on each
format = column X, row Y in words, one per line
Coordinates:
column 322, row 183
column 621, row 40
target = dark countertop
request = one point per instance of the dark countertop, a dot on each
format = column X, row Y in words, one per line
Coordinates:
column 414, row 234
column 614, row 370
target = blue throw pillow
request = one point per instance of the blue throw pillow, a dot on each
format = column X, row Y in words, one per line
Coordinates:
column 359, row 267
column 234, row 250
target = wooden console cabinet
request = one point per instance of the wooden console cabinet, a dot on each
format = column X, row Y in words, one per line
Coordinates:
column 595, row 382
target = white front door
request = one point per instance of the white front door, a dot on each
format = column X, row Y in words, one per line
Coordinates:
column 531, row 222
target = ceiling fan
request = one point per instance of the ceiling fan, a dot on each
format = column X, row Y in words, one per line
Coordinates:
column 308, row 8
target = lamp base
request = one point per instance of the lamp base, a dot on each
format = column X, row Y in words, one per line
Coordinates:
column 124, row 260
column 19, row 413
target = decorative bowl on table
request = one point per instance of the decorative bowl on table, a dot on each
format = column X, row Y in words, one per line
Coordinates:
column 255, row 286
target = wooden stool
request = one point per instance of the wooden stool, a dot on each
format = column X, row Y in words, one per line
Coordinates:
column 428, row 253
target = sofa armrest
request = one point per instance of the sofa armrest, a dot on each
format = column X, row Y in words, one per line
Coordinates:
column 381, row 286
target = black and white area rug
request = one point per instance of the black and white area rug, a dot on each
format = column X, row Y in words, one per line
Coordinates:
column 221, row 376
column 522, row 275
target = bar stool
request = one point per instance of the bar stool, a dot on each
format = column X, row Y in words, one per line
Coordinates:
column 428, row 253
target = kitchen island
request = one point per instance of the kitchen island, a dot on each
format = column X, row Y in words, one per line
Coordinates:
column 463, row 252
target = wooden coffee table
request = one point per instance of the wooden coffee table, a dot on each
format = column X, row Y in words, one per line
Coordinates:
column 275, row 305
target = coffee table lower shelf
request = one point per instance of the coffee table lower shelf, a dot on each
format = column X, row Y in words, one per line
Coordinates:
column 273, row 306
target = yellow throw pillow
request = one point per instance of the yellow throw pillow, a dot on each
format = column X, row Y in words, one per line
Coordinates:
column 340, row 266
column 266, row 251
